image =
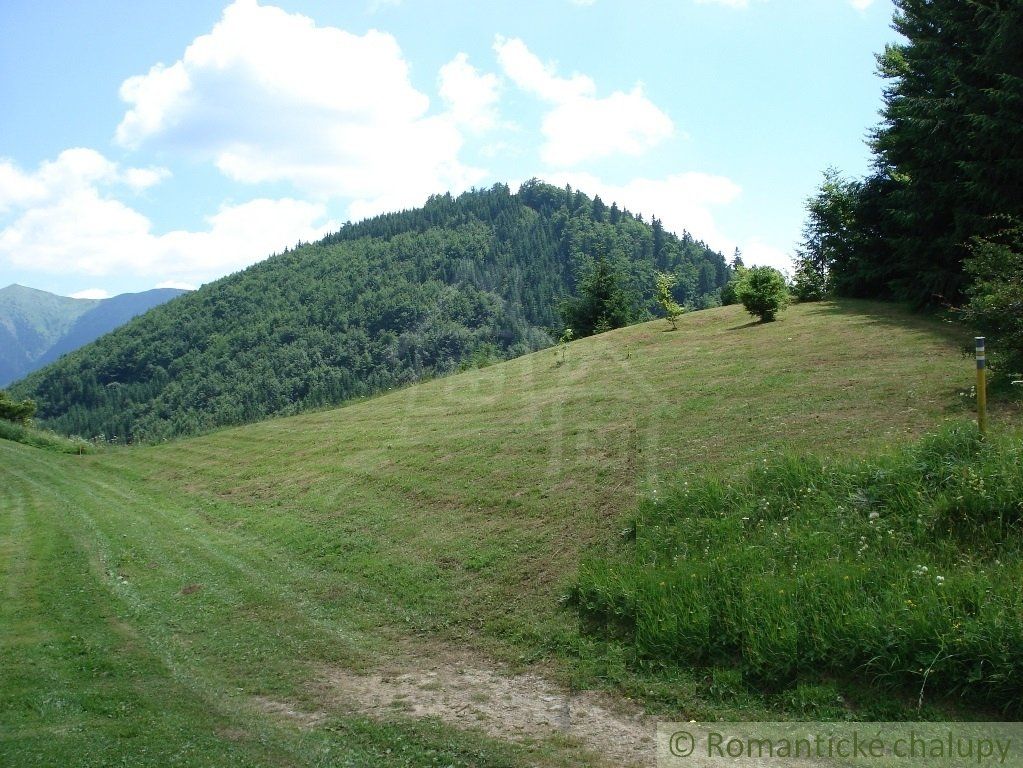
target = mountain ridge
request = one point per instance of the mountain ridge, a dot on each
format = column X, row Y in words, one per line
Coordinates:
column 37, row 327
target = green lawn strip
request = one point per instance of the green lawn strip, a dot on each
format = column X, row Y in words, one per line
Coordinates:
column 166, row 635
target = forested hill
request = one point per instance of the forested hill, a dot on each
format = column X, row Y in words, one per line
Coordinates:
column 379, row 304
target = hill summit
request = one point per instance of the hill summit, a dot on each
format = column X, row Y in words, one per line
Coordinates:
column 382, row 303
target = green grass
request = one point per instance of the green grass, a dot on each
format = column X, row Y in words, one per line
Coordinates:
column 42, row 438
column 132, row 636
column 450, row 514
column 904, row 569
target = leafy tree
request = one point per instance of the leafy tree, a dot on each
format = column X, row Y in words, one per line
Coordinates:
column 995, row 306
column 18, row 412
column 560, row 352
column 763, row 292
column 672, row 309
column 948, row 153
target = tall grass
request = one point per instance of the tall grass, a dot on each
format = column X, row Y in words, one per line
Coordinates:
column 45, row 439
column 906, row 569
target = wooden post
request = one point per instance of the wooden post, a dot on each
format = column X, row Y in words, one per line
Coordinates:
column 981, row 386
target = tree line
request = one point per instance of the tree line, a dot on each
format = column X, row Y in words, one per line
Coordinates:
column 939, row 220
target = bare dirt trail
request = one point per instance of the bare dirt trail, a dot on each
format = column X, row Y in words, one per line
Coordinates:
column 468, row 692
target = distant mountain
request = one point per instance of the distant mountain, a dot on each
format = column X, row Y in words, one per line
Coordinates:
column 37, row 327
column 381, row 303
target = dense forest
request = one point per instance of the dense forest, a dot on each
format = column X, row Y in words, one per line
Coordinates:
column 382, row 303
column 939, row 221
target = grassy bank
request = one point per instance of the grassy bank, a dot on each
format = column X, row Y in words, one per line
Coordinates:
column 45, row 439
column 902, row 569
column 133, row 635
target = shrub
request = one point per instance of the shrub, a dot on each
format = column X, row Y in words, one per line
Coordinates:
column 995, row 305
column 763, row 292
column 11, row 410
column 672, row 309
column 728, row 296
column 38, row 438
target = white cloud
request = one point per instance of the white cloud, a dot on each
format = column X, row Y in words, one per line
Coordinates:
column 470, row 96
column 64, row 222
column 270, row 97
column 74, row 169
column 580, row 126
column 532, row 75
column 755, row 252
column 140, row 179
column 92, row 293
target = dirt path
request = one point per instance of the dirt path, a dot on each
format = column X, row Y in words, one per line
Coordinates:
column 468, row 692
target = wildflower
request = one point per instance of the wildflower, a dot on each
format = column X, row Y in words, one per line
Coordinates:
column 874, row 515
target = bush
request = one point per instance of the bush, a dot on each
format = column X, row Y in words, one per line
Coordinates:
column 672, row 309
column 603, row 302
column 11, row 410
column 763, row 292
column 728, row 296
column 38, row 438
column 995, row 306
column 809, row 283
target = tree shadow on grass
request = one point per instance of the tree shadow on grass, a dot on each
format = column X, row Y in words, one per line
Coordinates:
column 750, row 324
column 899, row 315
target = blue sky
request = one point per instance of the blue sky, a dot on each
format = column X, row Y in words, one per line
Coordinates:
column 150, row 143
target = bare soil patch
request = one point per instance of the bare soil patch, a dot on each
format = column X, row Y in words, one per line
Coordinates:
column 471, row 693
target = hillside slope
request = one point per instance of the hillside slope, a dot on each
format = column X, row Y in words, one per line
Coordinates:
column 479, row 489
column 37, row 327
column 380, row 304
column 229, row 585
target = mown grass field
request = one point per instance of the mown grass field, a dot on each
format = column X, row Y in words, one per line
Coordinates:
column 154, row 597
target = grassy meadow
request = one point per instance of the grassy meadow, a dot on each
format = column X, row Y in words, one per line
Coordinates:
column 156, row 598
